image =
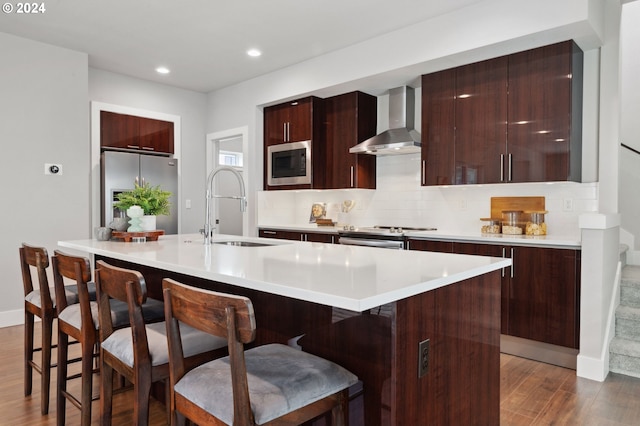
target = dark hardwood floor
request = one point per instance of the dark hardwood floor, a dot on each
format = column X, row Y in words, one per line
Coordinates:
column 532, row 393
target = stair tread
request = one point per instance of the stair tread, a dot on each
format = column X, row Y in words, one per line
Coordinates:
column 628, row 312
column 625, row 347
column 631, row 276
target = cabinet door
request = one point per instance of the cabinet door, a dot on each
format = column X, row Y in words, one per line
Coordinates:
column 493, row 251
column 280, row 234
column 156, row 135
column 438, row 128
column 350, row 119
column 119, row 130
column 300, row 120
column 318, row 237
column 275, row 124
column 480, row 121
column 543, row 296
column 430, row 245
column 540, row 113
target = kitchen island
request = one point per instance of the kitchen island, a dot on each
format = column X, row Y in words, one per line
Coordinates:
column 370, row 310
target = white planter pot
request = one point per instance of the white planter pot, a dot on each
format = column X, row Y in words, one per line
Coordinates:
column 148, row 222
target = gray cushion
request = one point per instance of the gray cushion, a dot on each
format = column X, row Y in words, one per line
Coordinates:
column 71, row 291
column 193, row 342
column 152, row 311
column 281, row 379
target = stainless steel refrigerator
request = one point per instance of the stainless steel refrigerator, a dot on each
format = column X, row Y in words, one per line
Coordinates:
column 121, row 170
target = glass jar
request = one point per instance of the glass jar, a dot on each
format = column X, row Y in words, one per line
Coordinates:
column 536, row 224
column 512, row 222
column 492, row 226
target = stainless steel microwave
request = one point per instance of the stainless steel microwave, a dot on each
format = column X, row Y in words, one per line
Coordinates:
column 289, row 163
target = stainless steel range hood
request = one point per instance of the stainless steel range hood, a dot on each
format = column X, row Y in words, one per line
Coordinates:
column 401, row 138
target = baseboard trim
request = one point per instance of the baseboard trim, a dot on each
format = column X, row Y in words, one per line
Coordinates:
column 11, row 318
column 539, row 351
column 593, row 368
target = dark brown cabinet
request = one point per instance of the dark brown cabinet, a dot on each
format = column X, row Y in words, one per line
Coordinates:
column 481, row 130
column 545, row 114
column 438, row 128
column 122, row 131
column 540, row 292
column 515, row 118
column 350, row 118
column 295, row 121
column 316, row 237
column 292, row 121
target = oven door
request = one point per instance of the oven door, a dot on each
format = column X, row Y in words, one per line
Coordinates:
column 367, row 242
column 289, row 164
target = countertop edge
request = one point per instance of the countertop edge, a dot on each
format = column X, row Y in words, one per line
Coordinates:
column 359, row 305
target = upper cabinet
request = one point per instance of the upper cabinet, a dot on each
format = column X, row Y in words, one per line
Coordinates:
column 296, row 121
column 545, row 114
column 350, row 119
column 292, row 121
column 122, row 131
column 515, row 118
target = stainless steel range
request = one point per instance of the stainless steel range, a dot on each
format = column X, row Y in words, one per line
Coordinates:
column 392, row 237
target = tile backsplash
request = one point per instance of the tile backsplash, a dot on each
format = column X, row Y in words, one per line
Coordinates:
column 399, row 200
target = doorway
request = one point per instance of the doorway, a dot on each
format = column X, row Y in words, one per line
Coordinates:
column 227, row 149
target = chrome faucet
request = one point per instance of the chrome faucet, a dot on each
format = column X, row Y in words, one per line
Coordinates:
column 208, row 228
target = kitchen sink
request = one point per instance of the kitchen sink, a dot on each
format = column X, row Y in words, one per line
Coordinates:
column 243, row 243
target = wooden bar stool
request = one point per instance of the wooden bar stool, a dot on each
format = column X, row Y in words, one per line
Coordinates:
column 80, row 322
column 139, row 352
column 271, row 384
column 74, row 321
column 39, row 302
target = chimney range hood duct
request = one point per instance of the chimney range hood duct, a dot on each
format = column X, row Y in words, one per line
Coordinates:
column 401, row 138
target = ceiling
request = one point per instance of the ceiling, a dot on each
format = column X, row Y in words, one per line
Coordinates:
column 204, row 42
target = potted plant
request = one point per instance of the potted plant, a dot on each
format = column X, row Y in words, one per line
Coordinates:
column 152, row 200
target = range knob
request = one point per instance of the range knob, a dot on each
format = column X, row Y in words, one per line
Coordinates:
column 392, row 229
column 400, row 229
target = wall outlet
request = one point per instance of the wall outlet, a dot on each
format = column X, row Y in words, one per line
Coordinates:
column 423, row 358
column 462, row 204
column 187, row 204
column 568, row 205
column 52, row 169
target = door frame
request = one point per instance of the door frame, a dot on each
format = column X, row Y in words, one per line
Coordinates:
column 211, row 147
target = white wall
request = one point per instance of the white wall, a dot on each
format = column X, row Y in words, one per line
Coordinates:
column 190, row 106
column 629, row 200
column 45, row 119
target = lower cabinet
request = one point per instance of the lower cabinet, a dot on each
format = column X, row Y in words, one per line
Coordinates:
column 540, row 292
column 316, row 237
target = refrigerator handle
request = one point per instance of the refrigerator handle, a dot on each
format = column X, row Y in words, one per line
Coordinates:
column 137, row 181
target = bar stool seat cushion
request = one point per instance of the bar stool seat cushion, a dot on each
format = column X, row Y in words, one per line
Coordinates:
column 153, row 310
column 70, row 291
column 281, row 379
column 194, row 342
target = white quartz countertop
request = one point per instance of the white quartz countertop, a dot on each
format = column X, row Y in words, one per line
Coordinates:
column 553, row 240
column 348, row 277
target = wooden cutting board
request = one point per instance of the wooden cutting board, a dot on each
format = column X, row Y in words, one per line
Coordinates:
column 498, row 204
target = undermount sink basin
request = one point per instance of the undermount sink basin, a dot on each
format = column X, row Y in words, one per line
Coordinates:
column 242, row 243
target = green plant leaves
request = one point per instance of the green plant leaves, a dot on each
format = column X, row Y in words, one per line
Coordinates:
column 152, row 199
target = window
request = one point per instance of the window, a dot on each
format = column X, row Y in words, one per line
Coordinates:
column 230, row 158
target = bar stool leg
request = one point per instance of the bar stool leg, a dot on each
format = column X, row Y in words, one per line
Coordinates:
column 61, row 402
column 28, row 352
column 106, row 394
column 47, row 330
column 87, row 382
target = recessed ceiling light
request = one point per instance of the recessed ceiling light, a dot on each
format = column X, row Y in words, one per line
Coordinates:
column 162, row 70
column 254, row 53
